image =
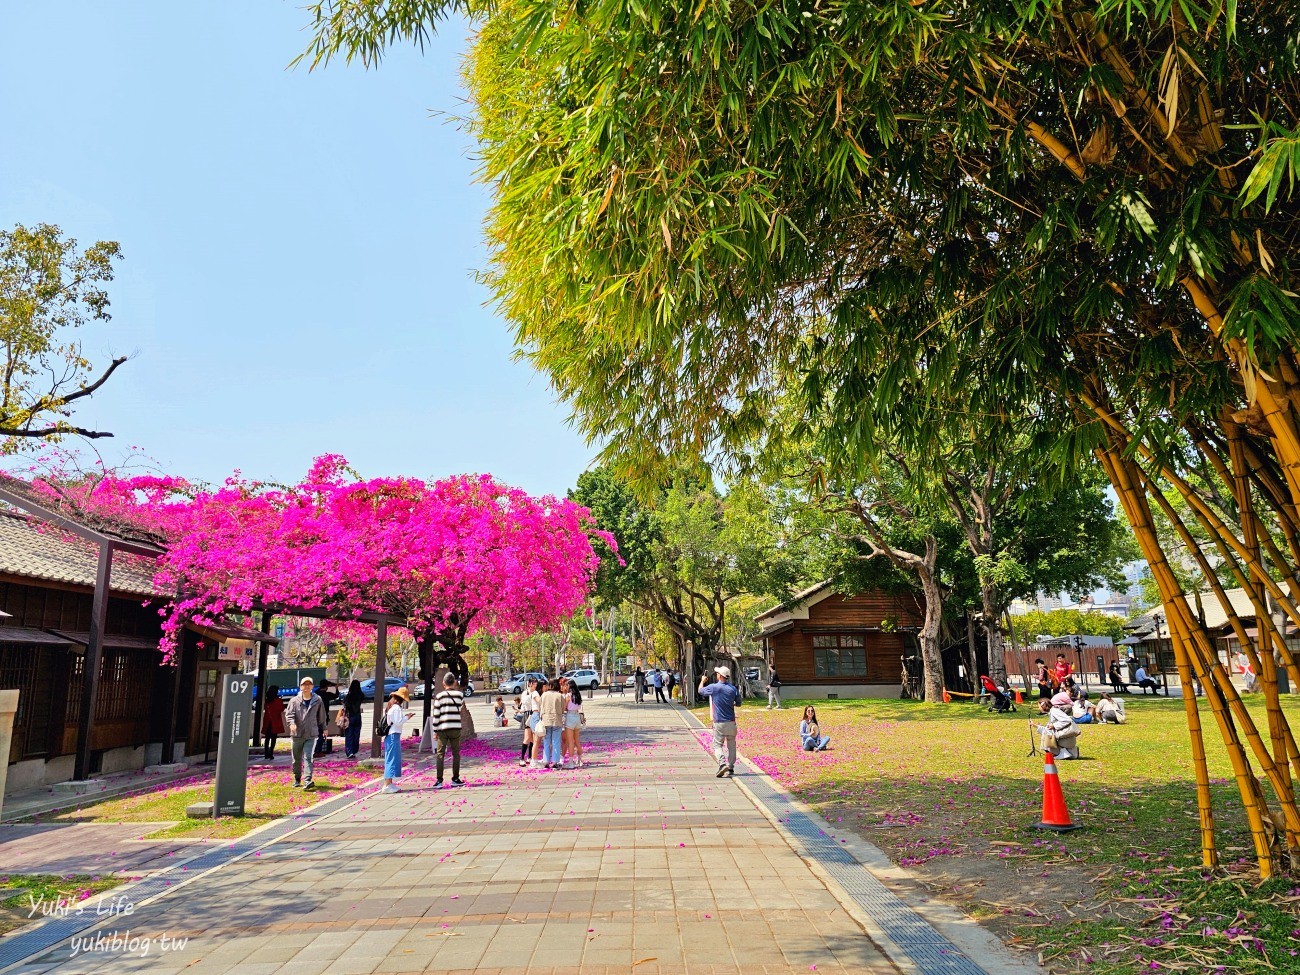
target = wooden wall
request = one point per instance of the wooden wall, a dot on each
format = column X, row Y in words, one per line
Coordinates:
column 133, row 703
column 861, row 615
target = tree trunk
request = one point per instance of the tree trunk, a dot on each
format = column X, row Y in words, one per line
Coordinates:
column 931, row 659
column 972, row 665
column 997, row 661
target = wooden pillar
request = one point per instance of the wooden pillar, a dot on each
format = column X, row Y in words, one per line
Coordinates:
column 381, row 671
column 94, row 656
column 260, row 698
column 169, row 739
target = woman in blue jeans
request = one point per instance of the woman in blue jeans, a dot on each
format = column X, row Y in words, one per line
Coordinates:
column 396, row 717
column 811, row 738
column 552, row 709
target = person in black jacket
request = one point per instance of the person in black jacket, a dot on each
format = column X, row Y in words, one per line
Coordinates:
column 773, row 689
column 352, row 708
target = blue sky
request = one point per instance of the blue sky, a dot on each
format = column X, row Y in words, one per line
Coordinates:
column 299, row 247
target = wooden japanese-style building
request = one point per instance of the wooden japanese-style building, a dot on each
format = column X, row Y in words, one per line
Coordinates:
column 76, row 593
column 828, row 644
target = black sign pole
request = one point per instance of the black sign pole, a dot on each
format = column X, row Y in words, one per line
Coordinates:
column 232, row 746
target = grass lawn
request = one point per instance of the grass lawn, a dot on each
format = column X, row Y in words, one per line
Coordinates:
column 950, row 791
column 30, row 897
column 271, row 795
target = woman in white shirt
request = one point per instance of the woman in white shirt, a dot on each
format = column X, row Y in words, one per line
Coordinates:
column 396, row 716
column 572, row 735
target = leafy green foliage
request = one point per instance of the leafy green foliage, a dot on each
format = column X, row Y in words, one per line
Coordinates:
column 1067, row 622
column 47, row 290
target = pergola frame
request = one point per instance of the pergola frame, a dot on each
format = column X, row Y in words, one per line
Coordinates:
column 380, row 621
column 107, row 544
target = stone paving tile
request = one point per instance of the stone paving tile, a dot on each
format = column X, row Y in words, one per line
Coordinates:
column 643, row 862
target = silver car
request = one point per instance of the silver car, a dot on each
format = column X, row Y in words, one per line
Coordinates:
column 517, row 683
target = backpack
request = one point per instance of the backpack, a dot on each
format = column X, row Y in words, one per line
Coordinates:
column 384, row 726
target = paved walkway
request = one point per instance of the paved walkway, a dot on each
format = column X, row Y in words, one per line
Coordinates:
column 643, row 862
column 85, row 848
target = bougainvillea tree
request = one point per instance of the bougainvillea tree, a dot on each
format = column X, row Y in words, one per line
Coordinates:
column 445, row 557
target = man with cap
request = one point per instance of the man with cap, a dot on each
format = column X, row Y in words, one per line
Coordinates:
column 723, row 698
column 306, row 718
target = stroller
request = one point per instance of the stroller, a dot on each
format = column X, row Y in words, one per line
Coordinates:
column 1002, row 702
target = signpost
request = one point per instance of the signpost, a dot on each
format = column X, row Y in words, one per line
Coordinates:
column 232, row 746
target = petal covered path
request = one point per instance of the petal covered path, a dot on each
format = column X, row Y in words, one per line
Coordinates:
column 642, row 862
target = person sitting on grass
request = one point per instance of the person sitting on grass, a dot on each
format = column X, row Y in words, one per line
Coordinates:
column 1060, row 735
column 1110, row 710
column 1083, row 710
column 810, row 732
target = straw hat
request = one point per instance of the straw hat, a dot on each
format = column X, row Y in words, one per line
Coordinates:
column 402, row 694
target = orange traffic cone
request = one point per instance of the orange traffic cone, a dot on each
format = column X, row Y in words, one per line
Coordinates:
column 1055, row 816
column 1020, row 698
column 947, row 698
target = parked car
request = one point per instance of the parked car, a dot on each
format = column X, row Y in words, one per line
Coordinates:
column 417, row 691
column 631, row 681
column 517, row 683
column 751, row 673
column 587, row 680
column 390, row 684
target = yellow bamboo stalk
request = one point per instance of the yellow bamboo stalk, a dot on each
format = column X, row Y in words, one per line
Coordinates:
column 1279, row 560
column 1286, row 439
column 1285, row 752
column 1129, row 474
column 1214, row 524
column 1144, row 531
column 1263, row 622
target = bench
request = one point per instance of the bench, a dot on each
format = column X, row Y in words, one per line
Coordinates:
column 1156, row 683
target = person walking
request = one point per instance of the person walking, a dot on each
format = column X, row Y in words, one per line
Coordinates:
column 638, row 685
column 306, row 718
column 573, row 718
column 272, row 721
column 773, row 689
column 659, row 687
column 672, row 683
column 447, row 726
column 352, row 701
column 723, row 698
column 551, row 706
column 395, row 717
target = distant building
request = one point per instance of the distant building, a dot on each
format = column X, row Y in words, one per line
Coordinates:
column 1042, row 603
column 824, row 643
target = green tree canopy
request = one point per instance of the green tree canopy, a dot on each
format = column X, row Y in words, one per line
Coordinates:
column 48, row 289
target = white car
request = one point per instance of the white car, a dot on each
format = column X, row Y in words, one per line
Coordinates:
column 587, row 680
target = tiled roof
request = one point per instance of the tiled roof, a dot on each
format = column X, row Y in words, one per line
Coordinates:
column 38, row 551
